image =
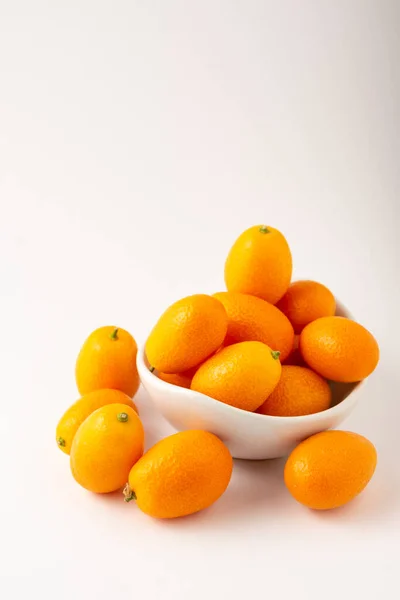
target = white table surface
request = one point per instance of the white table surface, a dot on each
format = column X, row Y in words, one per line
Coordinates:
column 137, row 140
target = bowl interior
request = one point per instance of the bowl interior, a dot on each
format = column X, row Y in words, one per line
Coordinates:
column 340, row 391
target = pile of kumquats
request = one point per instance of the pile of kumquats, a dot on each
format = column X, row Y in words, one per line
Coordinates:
column 266, row 345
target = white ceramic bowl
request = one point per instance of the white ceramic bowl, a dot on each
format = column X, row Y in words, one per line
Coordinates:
column 248, row 435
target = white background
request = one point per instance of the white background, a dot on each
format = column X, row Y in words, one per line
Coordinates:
column 137, row 140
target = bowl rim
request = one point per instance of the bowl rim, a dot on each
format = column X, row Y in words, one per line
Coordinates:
column 145, row 372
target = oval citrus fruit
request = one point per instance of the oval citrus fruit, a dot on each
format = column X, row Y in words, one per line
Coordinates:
column 81, row 409
column 241, row 375
column 339, row 349
column 187, row 333
column 300, row 391
column 306, row 301
column 184, row 473
column 330, row 468
column 253, row 319
column 259, row 263
column 108, row 360
column 105, row 447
